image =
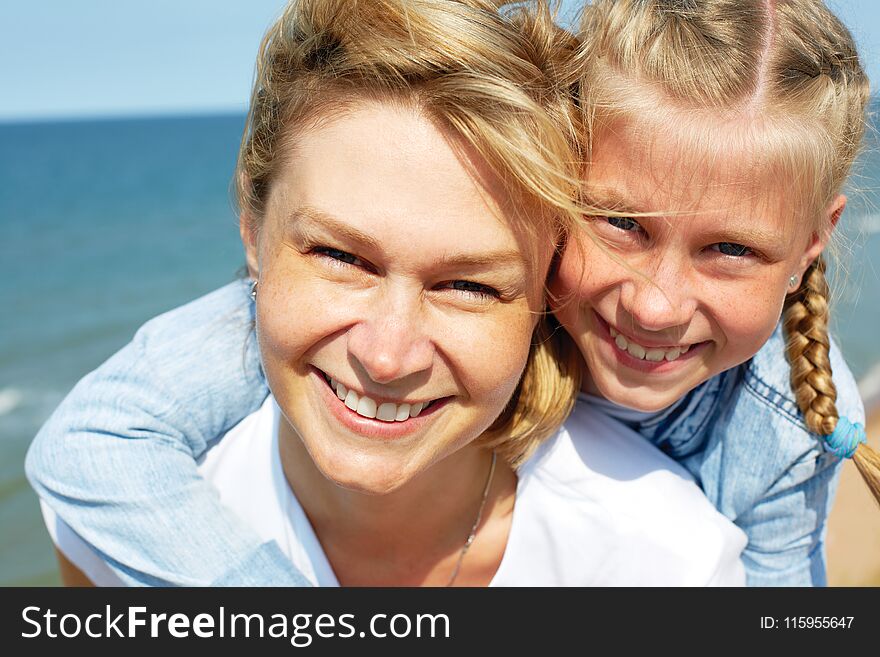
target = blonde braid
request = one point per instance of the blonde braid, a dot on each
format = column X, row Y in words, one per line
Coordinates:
column 805, row 321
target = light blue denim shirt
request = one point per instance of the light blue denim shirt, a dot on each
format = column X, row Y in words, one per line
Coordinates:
column 117, row 459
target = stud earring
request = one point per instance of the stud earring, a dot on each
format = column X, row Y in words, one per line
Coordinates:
column 253, row 292
column 792, row 281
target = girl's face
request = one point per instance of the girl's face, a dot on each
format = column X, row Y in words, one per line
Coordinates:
column 669, row 301
column 396, row 302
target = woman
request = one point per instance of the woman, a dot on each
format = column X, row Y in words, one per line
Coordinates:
column 400, row 203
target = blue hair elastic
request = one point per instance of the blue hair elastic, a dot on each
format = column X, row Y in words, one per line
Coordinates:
column 845, row 439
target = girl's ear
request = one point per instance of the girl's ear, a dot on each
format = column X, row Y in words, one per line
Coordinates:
column 247, row 229
column 819, row 240
column 832, row 214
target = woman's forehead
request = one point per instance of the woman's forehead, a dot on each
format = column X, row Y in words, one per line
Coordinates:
column 389, row 172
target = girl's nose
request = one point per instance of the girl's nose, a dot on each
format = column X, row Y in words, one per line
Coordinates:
column 660, row 300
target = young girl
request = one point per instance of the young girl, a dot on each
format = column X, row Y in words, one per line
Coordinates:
column 721, row 136
column 184, row 381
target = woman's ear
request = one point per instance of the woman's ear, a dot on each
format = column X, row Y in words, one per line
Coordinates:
column 248, row 230
column 819, row 239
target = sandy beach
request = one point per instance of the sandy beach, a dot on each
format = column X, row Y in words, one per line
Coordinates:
column 854, row 525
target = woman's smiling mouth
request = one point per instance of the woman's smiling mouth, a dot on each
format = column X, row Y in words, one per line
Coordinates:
column 386, row 411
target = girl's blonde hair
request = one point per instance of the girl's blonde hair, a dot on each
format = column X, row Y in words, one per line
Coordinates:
column 790, row 68
column 497, row 77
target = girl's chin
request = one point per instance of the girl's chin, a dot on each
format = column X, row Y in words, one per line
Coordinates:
column 636, row 396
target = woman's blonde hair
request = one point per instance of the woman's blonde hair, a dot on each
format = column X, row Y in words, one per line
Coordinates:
column 790, row 68
column 496, row 76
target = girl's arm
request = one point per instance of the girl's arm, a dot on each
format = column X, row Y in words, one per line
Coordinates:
column 743, row 438
column 764, row 469
column 70, row 574
column 787, row 526
column 117, row 459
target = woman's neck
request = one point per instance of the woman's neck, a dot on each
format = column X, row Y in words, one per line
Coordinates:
column 414, row 535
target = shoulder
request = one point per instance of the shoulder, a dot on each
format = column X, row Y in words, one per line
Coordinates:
column 221, row 316
column 628, row 513
column 200, row 360
column 758, row 445
column 767, row 380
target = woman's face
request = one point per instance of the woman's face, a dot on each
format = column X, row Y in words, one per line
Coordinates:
column 671, row 300
column 396, row 302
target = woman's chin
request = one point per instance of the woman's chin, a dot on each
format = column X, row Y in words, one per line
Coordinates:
column 366, row 478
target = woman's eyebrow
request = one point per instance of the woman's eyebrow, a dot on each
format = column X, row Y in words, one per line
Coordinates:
column 606, row 198
column 485, row 260
column 306, row 219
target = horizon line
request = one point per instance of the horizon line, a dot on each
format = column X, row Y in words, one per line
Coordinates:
column 122, row 116
column 165, row 113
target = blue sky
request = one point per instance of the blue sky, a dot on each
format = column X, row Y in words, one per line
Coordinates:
column 90, row 58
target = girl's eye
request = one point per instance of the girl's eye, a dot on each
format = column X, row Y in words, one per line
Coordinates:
column 732, row 249
column 340, row 256
column 471, row 288
column 624, row 223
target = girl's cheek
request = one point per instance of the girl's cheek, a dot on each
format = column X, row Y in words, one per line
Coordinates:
column 746, row 320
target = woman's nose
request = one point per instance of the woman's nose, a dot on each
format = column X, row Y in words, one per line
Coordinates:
column 392, row 342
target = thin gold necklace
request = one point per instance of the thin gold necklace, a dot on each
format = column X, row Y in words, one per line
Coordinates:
column 473, row 534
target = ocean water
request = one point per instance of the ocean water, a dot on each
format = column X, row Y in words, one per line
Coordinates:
column 105, row 224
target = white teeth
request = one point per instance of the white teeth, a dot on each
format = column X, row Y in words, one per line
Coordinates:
column 366, row 407
column 636, row 350
column 402, row 413
column 387, row 412
column 363, row 405
column 654, row 355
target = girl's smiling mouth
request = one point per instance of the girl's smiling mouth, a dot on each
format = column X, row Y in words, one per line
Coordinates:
column 648, row 357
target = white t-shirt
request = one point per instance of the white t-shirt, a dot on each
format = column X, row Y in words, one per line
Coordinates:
column 597, row 505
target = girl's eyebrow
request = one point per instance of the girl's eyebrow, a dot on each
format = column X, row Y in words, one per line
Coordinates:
column 768, row 241
column 610, row 199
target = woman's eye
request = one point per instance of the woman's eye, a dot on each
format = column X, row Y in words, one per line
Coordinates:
column 732, row 249
column 624, row 223
column 340, row 256
column 472, row 288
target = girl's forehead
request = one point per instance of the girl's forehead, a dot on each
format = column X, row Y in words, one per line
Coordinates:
column 688, row 163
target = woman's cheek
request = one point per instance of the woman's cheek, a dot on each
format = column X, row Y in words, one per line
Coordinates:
column 295, row 314
column 488, row 353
